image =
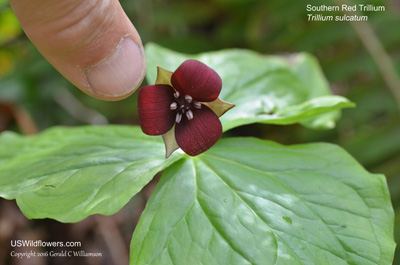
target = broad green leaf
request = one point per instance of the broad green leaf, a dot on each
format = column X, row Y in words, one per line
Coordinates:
column 70, row 173
column 307, row 69
column 10, row 139
column 266, row 89
column 249, row 201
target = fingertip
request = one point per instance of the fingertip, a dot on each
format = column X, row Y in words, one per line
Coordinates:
column 120, row 73
column 92, row 44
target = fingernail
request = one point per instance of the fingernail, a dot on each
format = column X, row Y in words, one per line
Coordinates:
column 120, row 73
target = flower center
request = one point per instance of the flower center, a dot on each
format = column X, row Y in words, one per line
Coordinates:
column 183, row 104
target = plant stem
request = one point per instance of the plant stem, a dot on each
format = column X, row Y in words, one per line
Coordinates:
column 375, row 48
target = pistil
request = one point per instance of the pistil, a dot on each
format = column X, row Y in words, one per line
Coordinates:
column 183, row 104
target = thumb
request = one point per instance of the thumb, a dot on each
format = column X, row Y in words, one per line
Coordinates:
column 92, row 43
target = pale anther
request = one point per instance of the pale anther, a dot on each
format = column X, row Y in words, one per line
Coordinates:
column 188, row 98
column 176, row 94
column 173, row 106
column 189, row 114
column 178, row 117
column 197, row 104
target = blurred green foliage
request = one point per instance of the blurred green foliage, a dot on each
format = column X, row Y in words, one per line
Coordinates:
column 371, row 132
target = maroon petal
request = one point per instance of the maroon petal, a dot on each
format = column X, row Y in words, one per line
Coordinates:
column 197, row 80
column 197, row 135
column 155, row 115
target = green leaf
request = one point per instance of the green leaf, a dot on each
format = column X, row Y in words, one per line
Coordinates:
column 307, row 69
column 249, row 201
column 10, row 139
column 71, row 173
column 266, row 89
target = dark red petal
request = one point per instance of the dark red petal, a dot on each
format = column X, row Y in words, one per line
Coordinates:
column 199, row 134
column 155, row 115
column 197, row 80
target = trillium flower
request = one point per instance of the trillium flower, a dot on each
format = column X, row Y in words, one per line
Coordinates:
column 184, row 108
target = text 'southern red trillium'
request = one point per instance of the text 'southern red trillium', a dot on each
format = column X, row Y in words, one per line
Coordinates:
column 184, row 108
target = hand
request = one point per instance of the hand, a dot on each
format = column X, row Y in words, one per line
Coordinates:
column 92, row 43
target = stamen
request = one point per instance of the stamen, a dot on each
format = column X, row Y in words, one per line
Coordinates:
column 188, row 98
column 189, row 114
column 178, row 117
column 173, row 106
column 197, row 104
column 176, row 94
